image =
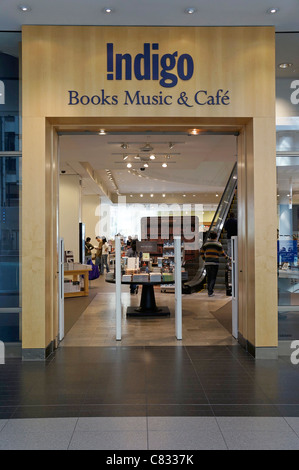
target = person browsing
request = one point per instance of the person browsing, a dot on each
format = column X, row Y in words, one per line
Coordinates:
column 210, row 252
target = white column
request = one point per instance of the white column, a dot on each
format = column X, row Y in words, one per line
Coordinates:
column 118, row 287
column 61, row 288
column 235, row 294
column 178, row 287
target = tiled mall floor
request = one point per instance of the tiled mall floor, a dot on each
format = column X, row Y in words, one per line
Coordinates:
column 151, row 398
column 149, row 391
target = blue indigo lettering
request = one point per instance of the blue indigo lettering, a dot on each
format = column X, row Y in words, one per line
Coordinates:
column 148, row 65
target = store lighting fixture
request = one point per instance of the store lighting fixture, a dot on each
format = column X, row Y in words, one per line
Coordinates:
column 216, row 195
column 141, row 195
column 184, row 195
column 163, row 195
column 194, row 132
column 124, row 145
column 285, row 65
column 190, row 10
column 125, row 157
column 107, row 10
column 272, row 11
column 152, row 195
column 145, row 165
column 152, row 156
column 24, row 8
column 102, row 132
column 164, row 165
column 129, row 165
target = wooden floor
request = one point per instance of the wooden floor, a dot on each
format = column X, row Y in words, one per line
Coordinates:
column 96, row 325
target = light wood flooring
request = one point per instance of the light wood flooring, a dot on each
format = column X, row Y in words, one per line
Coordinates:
column 96, row 325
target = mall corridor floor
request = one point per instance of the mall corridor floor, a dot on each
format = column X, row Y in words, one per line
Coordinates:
column 149, row 398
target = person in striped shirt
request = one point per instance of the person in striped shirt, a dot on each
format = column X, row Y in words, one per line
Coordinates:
column 210, row 252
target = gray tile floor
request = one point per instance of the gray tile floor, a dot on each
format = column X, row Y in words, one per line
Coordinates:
column 151, row 433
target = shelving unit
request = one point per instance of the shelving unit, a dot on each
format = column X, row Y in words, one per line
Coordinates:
column 163, row 229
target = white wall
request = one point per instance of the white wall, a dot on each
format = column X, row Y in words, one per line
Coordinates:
column 70, row 212
column 90, row 216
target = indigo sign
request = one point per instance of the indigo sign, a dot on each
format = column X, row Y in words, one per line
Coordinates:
column 148, row 65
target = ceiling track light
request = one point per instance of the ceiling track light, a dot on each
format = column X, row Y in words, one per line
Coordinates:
column 147, row 148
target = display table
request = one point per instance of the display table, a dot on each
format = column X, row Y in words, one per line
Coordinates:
column 75, row 273
column 147, row 305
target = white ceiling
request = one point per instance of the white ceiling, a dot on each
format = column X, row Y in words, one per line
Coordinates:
column 151, row 12
column 195, row 164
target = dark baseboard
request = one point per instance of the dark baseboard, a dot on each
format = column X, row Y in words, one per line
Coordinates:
column 258, row 352
column 38, row 354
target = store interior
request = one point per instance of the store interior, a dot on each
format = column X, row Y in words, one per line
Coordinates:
column 115, row 182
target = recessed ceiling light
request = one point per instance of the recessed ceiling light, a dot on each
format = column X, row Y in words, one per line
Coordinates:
column 152, row 195
column 184, row 195
column 129, row 165
column 285, row 65
column 272, row 11
column 163, row 195
column 107, row 10
column 145, row 165
column 190, row 10
column 152, row 157
column 24, row 8
column 102, row 132
column 164, row 165
column 216, row 195
column 141, row 195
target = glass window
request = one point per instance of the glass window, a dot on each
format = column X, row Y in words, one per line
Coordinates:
column 287, row 162
column 9, row 92
column 10, row 184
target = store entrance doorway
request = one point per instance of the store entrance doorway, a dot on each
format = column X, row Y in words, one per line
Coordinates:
column 107, row 198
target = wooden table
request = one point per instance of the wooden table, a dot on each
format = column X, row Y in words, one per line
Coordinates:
column 75, row 273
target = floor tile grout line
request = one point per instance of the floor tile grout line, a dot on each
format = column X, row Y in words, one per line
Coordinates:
column 71, row 438
column 285, row 418
column 200, row 382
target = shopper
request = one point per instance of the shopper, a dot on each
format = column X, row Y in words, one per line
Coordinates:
column 231, row 228
column 210, row 252
column 99, row 253
column 88, row 248
column 105, row 252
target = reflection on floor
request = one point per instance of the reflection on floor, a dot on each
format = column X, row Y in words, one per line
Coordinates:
column 206, row 321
